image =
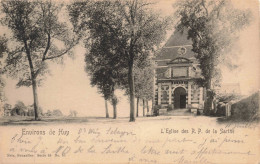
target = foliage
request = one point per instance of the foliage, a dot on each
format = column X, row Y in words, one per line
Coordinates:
column 143, row 79
column 213, row 27
column 48, row 113
column 156, row 109
column 19, row 109
column 170, row 107
column 227, row 97
column 221, row 109
column 102, row 69
column 20, row 104
column 3, row 48
column 114, row 100
column 102, row 64
column 73, row 113
column 7, row 106
column 247, row 109
column 2, row 85
column 129, row 29
column 57, row 112
column 7, row 109
column 222, row 99
column 3, row 45
column 31, row 112
column 37, row 36
column 54, row 113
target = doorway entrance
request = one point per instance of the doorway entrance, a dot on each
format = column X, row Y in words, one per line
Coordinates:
column 179, row 98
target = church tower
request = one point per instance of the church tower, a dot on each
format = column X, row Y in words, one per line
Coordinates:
column 176, row 73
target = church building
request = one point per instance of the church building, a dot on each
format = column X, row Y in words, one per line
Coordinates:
column 176, row 73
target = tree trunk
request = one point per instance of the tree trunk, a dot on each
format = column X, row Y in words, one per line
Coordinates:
column 35, row 99
column 107, row 114
column 137, row 104
column 34, row 82
column 147, row 106
column 131, row 87
column 208, row 103
column 143, row 107
column 115, row 111
column 114, row 103
column 209, row 98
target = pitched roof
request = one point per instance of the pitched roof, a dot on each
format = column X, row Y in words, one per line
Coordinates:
column 170, row 49
column 178, row 39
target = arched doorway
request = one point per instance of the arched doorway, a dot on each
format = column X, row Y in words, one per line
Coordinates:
column 179, row 98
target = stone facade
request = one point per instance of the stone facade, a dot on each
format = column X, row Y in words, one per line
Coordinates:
column 176, row 75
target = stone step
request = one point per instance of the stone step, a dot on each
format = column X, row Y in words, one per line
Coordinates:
column 180, row 112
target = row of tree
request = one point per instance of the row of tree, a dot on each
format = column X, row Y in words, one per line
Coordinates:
column 120, row 37
column 19, row 109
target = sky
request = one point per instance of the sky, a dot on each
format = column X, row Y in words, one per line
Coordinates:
column 68, row 86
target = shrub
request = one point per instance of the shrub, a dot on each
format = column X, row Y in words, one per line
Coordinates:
column 7, row 109
column 73, row 113
column 170, row 107
column 7, row 106
column 227, row 97
column 19, row 109
column 221, row 100
column 156, row 110
column 221, row 109
column 48, row 113
column 31, row 111
column 55, row 113
column 246, row 109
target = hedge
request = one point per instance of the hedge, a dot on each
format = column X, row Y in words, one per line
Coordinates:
column 246, row 109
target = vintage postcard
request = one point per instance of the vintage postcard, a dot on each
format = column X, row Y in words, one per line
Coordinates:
column 129, row 81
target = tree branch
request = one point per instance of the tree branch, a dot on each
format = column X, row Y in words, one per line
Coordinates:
column 63, row 53
column 47, row 47
column 146, row 4
column 203, row 4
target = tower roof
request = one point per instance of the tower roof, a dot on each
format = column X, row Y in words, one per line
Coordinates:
column 178, row 39
column 172, row 47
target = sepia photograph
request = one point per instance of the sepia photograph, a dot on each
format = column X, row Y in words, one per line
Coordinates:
column 129, row 81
